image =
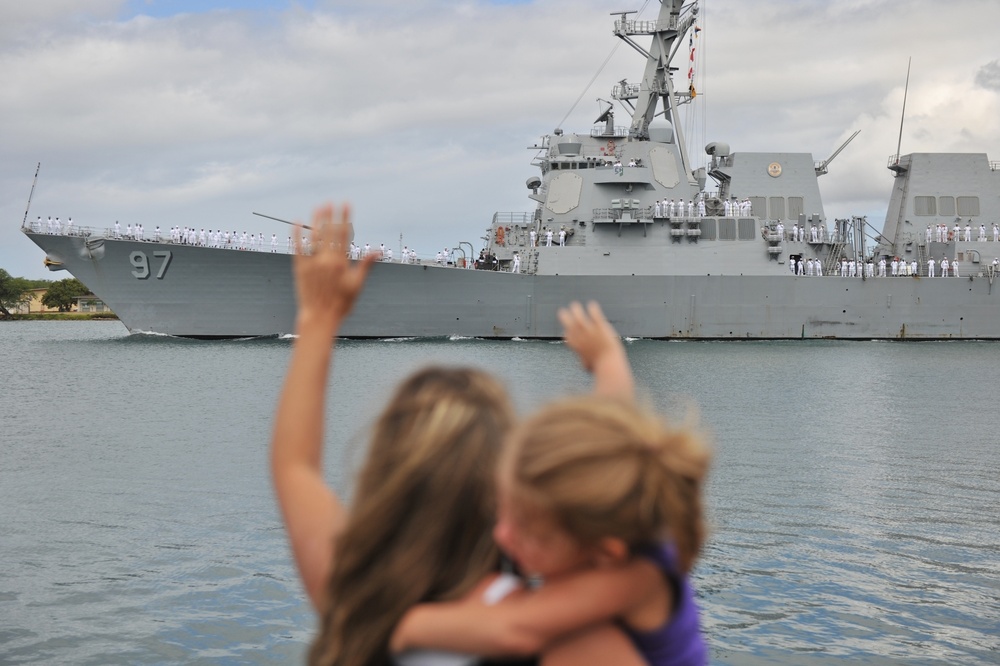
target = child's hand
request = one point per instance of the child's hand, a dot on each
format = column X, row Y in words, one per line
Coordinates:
column 326, row 283
column 595, row 341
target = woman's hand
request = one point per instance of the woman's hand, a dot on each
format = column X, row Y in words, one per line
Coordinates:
column 326, row 282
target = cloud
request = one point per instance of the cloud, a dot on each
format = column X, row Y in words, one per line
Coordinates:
column 988, row 76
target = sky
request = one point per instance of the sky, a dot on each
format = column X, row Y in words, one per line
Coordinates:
column 420, row 112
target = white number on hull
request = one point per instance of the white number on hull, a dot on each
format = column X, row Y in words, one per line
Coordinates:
column 141, row 264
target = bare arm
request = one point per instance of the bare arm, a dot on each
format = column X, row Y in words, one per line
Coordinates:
column 525, row 623
column 595, row 341
column 326, row 286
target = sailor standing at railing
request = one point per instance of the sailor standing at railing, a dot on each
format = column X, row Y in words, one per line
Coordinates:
column 548, row 238
column 930, row 267
column 968, row 233
column 562, row 238
column 516, row 268
column 944, row 267
column 996, row 232
column 982, row 232
column 701, row 207
column 954, row 267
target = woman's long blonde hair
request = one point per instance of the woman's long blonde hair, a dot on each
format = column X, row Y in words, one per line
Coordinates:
column 421, row 519
column 607, row 468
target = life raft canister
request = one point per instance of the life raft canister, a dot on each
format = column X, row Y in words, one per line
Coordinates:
column 500, row 235
column 611, row 146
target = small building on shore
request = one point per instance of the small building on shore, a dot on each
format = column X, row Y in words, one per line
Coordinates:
column 88, row 303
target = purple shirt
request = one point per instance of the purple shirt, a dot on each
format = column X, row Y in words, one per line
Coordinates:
column 678, row 642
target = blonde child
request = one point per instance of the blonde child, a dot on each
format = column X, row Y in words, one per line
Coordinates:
column 603, row 500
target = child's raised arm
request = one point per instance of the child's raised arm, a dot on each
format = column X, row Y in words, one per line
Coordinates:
column 595, row 341
column 326, row 285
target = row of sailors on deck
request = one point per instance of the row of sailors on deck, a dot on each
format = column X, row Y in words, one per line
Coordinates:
column 407, row 255
column 943, row 234
column 671, row 208
column 898, row 267
column 549, row 235
column 848, row 267
column 797, row 234
column 741, row 208
column 52, row 226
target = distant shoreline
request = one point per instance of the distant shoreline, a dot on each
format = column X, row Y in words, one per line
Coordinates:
column 63, row 316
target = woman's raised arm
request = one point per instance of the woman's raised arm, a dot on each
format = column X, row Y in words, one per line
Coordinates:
column 326, row 286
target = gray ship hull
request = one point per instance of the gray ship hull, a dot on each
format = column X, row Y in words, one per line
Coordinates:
column 218, row 293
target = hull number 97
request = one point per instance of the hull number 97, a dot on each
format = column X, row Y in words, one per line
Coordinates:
column 140, row 264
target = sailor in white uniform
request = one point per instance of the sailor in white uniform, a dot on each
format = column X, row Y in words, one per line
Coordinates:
column 562, row 238
column 657, row 209
column 548, row 238
column 388, row 255
column 881, row 267
column 996, row 232
column 930, row 267
column 928, row 233
column 954, row 267
column 913, row 268
column 532, row 238
column 274, row 243
column 69, row 227
column 968, row 233
column 516, row 268
column 895, row 267
column 701, row 207
column 982, row 232
column 944, row 267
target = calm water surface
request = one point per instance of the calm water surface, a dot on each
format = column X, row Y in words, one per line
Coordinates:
column 855, row 495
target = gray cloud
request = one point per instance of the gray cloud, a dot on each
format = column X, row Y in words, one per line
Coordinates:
column 988, row 76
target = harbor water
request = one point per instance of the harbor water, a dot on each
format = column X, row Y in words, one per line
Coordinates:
column 854, row 497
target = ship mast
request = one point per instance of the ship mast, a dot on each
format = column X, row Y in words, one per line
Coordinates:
column 667, row 30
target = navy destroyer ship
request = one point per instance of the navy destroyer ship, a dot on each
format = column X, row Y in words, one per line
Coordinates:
column 740, row 249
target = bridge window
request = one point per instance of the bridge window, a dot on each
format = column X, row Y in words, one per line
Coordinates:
column 777, row 208
column 727, row 229
column 946, row 206
column 708, row 229
column 924, row 206
column 968, row 206
column 796, row 207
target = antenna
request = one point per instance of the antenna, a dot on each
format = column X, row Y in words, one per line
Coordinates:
column 278, row 219
column 906, row 90
column 24, row 222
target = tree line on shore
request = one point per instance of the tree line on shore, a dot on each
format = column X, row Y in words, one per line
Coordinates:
column 15, row 292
